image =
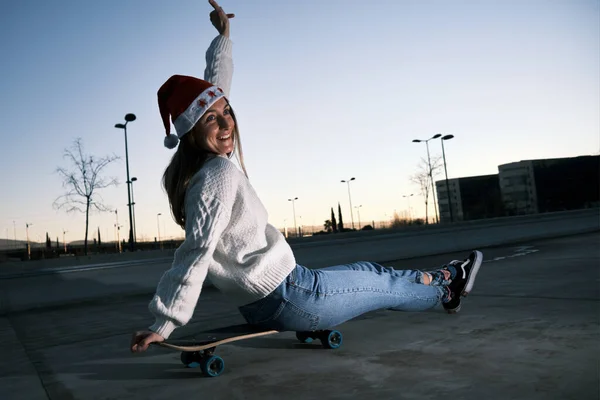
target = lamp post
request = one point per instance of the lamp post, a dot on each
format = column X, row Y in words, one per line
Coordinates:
column 158, row 226
column 350, row 199
column 358, row 212
column 447, row 137
column 65, row 241
column 118, row 228
column 437, row 135
column 128, row 118
column 133, row 179
column 27, row 225
column 294, row 208
column 407, row 197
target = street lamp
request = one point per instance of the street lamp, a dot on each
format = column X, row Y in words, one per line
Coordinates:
column 350, row 200
column 158, row 226
column 294, row 208
column 358, row 211
column 133, row 179
column 128, row 118
column 447, row 137
column 437, row 135
column 117, row 230
column 64, row 240
column 27, row 225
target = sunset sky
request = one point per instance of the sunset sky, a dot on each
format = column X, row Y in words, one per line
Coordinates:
column 324, row 90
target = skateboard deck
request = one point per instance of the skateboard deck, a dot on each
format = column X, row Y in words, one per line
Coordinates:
column 199, row 351
column 214, row 339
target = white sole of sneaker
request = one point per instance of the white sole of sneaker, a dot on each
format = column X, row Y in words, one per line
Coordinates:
column 454, row 310
column 474, row 270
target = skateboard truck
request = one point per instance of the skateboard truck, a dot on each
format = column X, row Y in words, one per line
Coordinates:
column 210, row 364
column 329, row 339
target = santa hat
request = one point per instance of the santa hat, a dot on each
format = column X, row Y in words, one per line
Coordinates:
column 185, row 99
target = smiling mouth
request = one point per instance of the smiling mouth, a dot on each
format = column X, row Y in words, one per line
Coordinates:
column 224, row 137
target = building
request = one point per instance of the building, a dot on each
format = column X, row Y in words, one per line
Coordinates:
column 517, row 185
column 523, row 187
column 474, row 197
column 547, row 185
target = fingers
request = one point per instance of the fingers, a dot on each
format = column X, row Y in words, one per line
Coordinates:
column 219, row 9
column 220, row 14
column 140, row 342
column 145, row 343
column 133, row 344
column 135, row 339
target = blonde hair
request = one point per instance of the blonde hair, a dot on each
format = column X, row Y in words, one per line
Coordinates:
column 187, row 160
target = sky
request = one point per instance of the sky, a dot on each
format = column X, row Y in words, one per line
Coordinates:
column 324, row 90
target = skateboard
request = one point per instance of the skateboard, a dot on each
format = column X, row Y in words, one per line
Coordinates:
column 201, row 352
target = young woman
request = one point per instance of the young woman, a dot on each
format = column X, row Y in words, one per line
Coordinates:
column 228, row 238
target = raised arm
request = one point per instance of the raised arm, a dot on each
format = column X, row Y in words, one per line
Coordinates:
column 219, row 61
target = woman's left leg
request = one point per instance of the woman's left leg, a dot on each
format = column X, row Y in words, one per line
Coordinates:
column 323, row 298
column 437, row 278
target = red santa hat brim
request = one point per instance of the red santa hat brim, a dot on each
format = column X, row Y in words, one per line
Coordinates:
column 185, row 99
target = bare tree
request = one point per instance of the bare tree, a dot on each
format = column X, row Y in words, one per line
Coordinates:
column 82, row 180
column 423, row 179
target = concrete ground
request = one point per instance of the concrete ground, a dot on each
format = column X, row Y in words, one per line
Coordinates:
column 529, row 330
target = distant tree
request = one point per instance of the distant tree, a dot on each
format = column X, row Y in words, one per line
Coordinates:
column 99, row 240
column 82, row 181
column 341, row 221
column 57, row 243
column 397, row 221
column 422, row 179
column 48, row 241
column 333, row 222
column 327, row 226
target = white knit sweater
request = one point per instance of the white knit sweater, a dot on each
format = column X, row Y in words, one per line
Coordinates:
column 227, row 234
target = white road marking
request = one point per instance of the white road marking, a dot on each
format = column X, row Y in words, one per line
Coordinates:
column 518, row 252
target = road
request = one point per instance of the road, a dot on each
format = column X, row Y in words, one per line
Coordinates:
column 529, row 330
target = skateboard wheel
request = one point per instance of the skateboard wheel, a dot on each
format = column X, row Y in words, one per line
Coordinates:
column 212, row 366
column 190, row 359
column 303, row 337
column 331, row 339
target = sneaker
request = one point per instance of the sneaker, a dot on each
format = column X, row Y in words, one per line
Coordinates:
column 462, row 282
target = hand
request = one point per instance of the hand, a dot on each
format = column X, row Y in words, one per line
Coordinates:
column 219, row 18
column 142, row 339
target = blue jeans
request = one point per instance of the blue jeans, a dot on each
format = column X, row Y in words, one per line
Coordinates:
column 314, row 299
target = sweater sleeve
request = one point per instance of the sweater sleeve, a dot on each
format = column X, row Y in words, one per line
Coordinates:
column 219, row 63
column 179, row 288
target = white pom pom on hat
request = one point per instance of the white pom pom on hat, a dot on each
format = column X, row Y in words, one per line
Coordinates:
column 171, row 141
column 185, row 99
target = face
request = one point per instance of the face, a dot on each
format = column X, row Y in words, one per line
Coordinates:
column 214, row 131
